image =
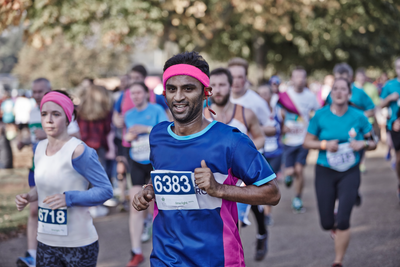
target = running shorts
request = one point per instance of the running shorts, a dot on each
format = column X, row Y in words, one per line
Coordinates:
column 67, row 256
column 140, row 173
column 395, row 140
column 294, row 154
column 275, row 163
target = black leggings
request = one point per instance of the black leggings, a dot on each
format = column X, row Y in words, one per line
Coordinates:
column 259, row 214
column 331, row 185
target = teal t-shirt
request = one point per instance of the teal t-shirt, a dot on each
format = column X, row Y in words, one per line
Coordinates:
column 358, row 98
column 391, row 87
column 328, row 126
column 151, row 116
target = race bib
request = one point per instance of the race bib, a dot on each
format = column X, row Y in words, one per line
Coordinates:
column 141, row 148
column 297, row 131
column 52, row 222
column 174, row 190
column 343, row 159
column 271, row 144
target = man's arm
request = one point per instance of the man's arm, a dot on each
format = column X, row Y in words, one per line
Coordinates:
column 255, row 129
column 266, row 194
column 386, row 101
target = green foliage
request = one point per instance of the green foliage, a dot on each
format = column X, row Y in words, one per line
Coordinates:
column 313, row 33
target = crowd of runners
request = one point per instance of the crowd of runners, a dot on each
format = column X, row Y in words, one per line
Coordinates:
column 200, row 156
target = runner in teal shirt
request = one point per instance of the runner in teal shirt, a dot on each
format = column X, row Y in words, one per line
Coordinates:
column 325, row 125
column 392, row 86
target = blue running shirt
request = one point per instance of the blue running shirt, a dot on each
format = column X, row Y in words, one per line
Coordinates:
column 207, row 236
column 391, row 87
column 327, row 126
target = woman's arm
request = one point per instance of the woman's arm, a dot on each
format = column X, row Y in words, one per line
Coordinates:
column 86, row 163
column 311, row 142
column 23, row 199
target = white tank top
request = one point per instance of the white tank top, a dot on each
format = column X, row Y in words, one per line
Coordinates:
column 65, row 227
column 238, row 120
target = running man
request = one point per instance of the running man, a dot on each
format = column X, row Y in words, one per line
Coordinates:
column 390, row 98
column 139, row 122
column 245, row 121
column 40, row 87
column 197, row 166
column 64, row 167
column 298, row 102
column 340, row 132
column 247, row 98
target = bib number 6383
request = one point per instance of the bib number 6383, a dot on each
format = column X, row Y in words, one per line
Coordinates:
column 168, row 183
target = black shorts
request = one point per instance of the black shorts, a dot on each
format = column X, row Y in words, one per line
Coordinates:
column 121, row 150
column 395, row 140
column 140, row 173
column 294, row 154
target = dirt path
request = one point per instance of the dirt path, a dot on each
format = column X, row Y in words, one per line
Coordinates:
column 295, row 239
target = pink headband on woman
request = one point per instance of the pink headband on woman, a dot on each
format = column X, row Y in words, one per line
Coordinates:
column 61, row 100
column 185, row 69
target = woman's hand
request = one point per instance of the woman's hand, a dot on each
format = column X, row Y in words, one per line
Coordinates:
column 357, row 145
column 332, row 146
column 21, row 201
column 56, row 201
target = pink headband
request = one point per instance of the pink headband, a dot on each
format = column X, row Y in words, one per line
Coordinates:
column 61, row 100
column 185, row 69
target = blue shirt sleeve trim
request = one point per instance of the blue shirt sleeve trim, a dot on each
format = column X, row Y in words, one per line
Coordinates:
column 188, row 137
column 265, row 180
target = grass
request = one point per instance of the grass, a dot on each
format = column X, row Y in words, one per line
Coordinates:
column 12, row 182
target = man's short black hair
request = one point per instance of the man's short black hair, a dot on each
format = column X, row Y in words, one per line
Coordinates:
column 141, row 69
column 190, row 58
column 220, row 71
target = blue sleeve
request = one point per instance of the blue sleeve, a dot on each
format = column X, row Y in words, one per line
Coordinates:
column 160, row 99
column 249, row 165
column 88, row 166
column 118, row 103
column 367, row 101
column 366, row 126
column 385, row 91
column 313, row 127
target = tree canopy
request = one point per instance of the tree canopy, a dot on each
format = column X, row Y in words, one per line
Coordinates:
column 313, row 33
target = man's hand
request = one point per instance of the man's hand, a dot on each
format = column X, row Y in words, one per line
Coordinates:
column 142, row 199
column 332, row 146
column 357, row 145
column 40, row 134
column 56, row 201
column 21, row 201
column 205, row 180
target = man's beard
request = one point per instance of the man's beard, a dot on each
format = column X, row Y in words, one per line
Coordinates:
column 223, row 102
column 192, row 113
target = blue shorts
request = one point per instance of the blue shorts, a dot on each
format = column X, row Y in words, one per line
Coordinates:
column 275, row 163
column 294, row 154
column 31, row 178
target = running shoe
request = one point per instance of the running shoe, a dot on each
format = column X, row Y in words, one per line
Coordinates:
column 388, row 156
column 297, row 205
column 337, row 265
column 136, row 260
column 288, row 180
column 147, row 231
column 262, row 247
column 27, row 261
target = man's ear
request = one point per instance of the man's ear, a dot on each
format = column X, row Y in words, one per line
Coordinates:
column 207, row 91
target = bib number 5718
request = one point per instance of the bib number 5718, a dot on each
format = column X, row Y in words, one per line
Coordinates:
column 174, row 183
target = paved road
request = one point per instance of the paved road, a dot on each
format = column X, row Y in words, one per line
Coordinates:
column 295, row 239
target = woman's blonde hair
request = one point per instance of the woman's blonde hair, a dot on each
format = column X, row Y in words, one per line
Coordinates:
column 95, row 103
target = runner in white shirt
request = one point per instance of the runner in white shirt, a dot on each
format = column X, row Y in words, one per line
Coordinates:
column 298, row 101
column 40, row 87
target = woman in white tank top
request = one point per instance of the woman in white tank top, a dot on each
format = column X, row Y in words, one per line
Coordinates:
column 64, row 167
